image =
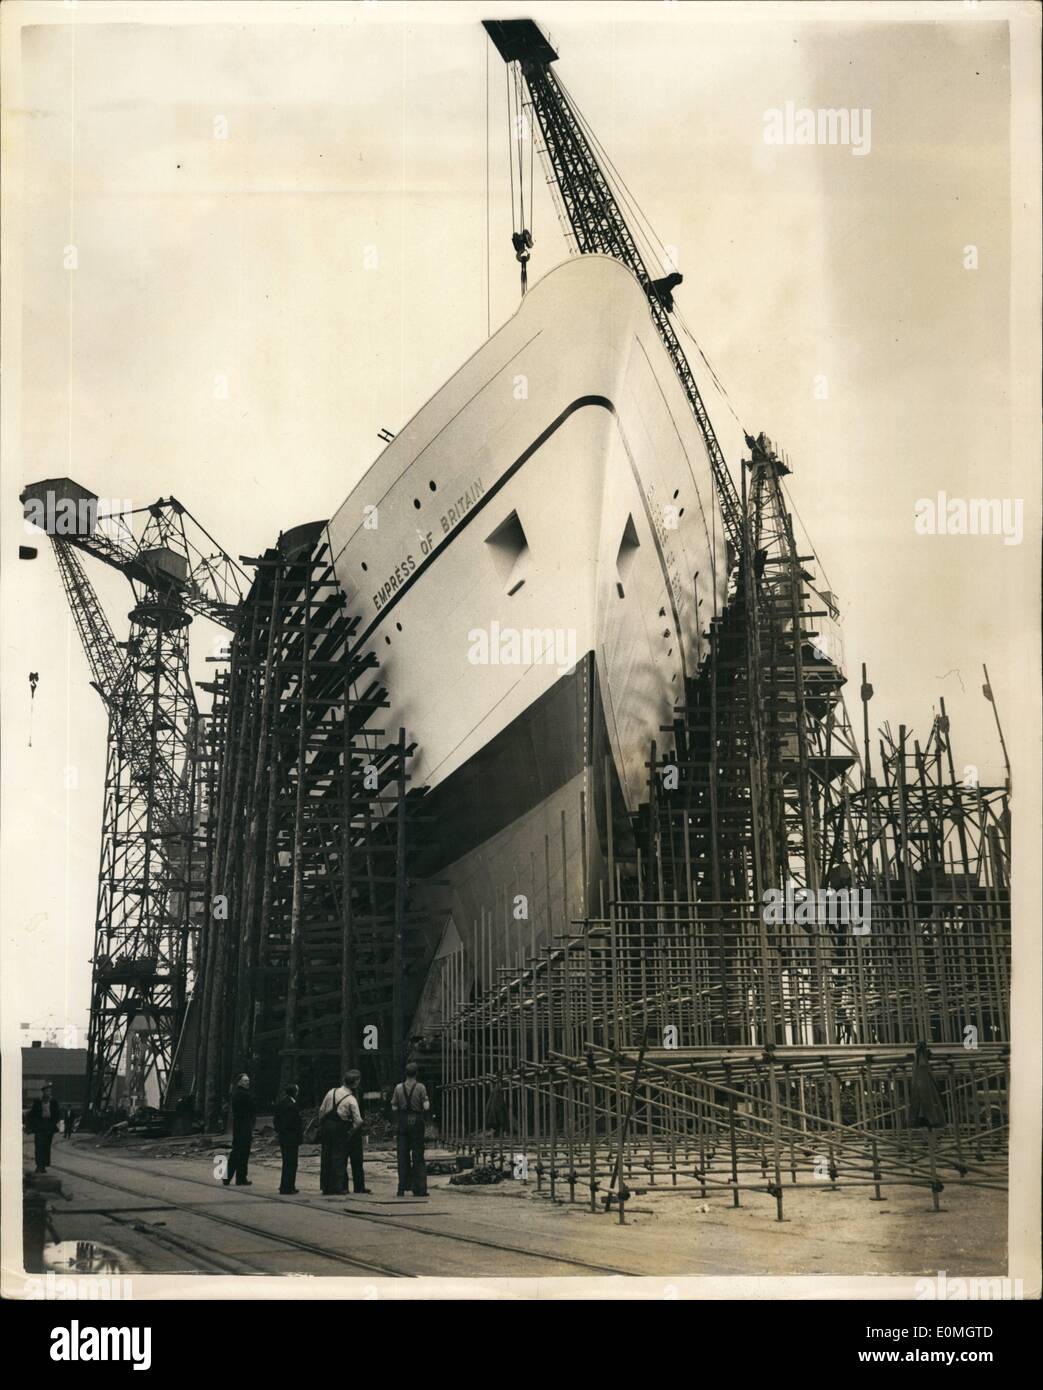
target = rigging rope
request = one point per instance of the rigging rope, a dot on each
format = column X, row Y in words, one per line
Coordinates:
column 807, row 537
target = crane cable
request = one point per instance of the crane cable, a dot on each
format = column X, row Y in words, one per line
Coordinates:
column 510, row 148
column 518, row 129
column 488, row 278
column 519, row 135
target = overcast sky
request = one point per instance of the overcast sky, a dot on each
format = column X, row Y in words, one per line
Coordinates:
column 360, row 131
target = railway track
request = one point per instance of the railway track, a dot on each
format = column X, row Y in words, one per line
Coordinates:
column 221, row 1263
column 307, row 1247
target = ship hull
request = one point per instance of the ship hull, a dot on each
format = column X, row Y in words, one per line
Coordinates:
column 535, row 560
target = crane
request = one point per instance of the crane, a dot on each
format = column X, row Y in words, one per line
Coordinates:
column 598, row 224
column 149, row 884
column 801, row 705
column 95, row 631
column 105, row 656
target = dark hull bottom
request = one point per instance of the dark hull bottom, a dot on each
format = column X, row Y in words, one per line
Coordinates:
column 516, row 842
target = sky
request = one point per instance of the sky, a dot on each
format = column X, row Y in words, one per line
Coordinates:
column 280, row 227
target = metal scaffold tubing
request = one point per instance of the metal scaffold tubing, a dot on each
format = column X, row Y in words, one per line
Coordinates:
column 306, row 835
column 685, row 1038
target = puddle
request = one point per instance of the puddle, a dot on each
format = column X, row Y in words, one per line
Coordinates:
column 83, row 1257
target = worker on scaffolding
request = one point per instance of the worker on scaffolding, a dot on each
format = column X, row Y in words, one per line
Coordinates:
column 496, row 1108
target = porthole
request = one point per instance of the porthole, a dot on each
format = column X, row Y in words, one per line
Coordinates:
column 364, row 565
column 416, row 503
column 433, row 486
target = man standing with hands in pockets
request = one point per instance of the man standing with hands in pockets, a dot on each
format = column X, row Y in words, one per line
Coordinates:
column 289, row 1127
column 355, row 1139
column 244, row 1112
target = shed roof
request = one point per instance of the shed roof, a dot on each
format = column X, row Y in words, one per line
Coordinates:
column 54, row 1061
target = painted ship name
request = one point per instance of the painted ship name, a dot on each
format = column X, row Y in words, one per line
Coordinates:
column 407, row 565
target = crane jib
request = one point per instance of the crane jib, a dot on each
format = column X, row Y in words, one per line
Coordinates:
column 598, row 224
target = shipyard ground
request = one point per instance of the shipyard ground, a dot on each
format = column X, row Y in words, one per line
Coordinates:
column 157, row 1208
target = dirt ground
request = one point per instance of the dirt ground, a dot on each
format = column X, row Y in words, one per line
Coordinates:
column 160, row 1203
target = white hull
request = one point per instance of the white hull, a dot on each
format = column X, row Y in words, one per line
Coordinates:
column 532, row 495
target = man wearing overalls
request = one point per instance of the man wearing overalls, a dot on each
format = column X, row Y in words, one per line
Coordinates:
column 411, row 1104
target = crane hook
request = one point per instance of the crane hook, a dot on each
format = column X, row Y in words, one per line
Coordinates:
column 522, row 243
column 34, row 677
